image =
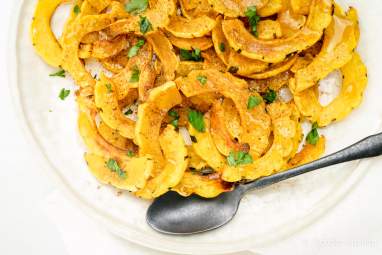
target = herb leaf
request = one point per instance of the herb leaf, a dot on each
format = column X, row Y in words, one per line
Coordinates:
column 222, row 47
column 136, row 6
column 202, row 79
column 60, row 73
column 313, row 136
column 134, row 50
column 135, row 75
column 270, row 96
column 253, row 19
column 196, row 120
column 173, row 113
column 128, row 112
column 239, row 158
column 193, row 55
column 175, row 123
column 253, row 101
column 76, row 9
column 64, row 93
column 144, row 25
column 130, row 153
column 114, row 167
column 109, row 89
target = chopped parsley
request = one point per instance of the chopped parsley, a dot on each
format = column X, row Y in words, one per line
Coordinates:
column 239, row 158
column 109, row 89
column 196, row 120
column 114, row 167
column 76, row 9
column 175, row 115
column 60, row 73
column 130, row 153
column 193, row 55
column 136, row 6
column 253, row 101
column 313, row 136
column 134, row 50
column 175, row 123
column 135, row 75
column 64, row 93
column 144, row 25
column 128, row 112
column 202, row 79
column 253, row 19
column 270, row 96
column 222, row 47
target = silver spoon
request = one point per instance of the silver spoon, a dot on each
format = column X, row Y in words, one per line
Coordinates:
column 177, row 215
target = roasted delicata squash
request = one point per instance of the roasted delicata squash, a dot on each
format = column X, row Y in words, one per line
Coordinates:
column 175, row 154
column 194, row 96
column 185, row 28
column 353, row 85
column 255, row 123
column 43, row 39
column 235, row 8
column 274, row 51
column 340, row 39
column 285, row 127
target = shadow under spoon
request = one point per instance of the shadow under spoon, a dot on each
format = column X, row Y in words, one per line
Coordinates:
column 177, row 215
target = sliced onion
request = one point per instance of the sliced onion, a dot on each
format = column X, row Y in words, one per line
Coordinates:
column 186, row 136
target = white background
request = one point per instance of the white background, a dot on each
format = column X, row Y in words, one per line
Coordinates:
column 354, row 226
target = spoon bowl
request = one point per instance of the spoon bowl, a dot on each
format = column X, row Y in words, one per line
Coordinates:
column 178, row 215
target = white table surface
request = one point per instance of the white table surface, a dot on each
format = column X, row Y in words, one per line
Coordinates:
column 354, row 226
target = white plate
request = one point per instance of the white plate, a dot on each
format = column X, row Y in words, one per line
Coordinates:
column 264, row 216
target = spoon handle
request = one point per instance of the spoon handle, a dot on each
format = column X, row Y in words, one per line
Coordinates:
column 366, row 148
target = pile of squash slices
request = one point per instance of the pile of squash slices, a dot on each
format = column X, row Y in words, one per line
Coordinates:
column 191, row 96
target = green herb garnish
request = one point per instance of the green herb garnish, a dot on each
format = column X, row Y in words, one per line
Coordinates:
column 175, row 115
column 270, row 96
column 196, row 119
column 253, row 19
column 64, row 93
column 109, row 88
column 136, row 6
column 202, row 79
column 253, row 101
column 76, row 9
column 114, row 167
column 175, row 123
column 60, row 73
column 134, row 50
column 222, row 47
column 193, row 55
column 128, row 112
column 135, row 75
column 130, row 153
column 144, row 25
column 239, row 158
column 313, row 136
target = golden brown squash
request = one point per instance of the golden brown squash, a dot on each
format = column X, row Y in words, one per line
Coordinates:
column 202, row 43
column 276, row 50
column 255, row 122
column 136, row 172
column 185, row 28
column 43, row 39
column 353, row 84
column 201, row 185
column 165, row 52
column 340, row 39
column 235, row 8
column 285, row 127
column 175, row 153
column 150, row 117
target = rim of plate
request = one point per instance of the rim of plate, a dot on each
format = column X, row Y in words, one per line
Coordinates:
column 133, row 235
